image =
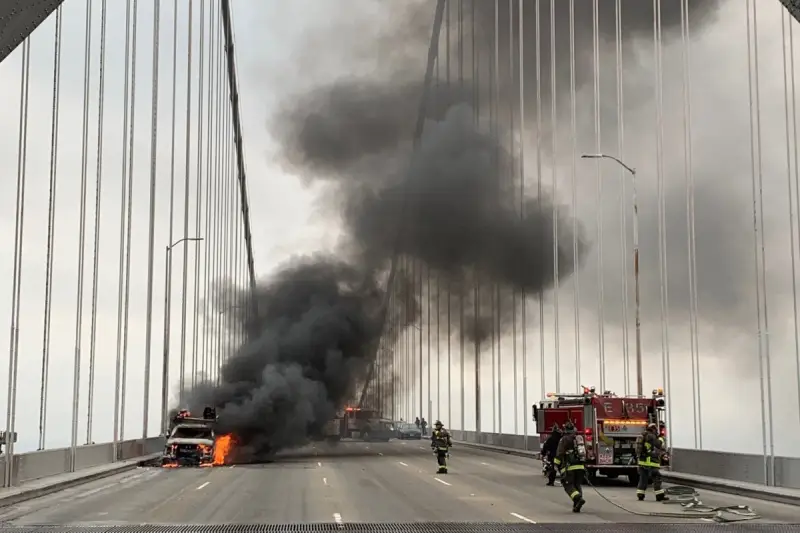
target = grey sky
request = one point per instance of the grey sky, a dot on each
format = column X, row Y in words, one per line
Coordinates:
column 284, row 47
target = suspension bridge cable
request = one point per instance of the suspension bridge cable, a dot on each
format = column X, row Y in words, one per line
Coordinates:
column 152, row 220
column 16, row 285
column 51, row 213
column 129, row 217
column 187, row 184
column 76, row 376
column 199, row 179
column 119, row 375
column 690, row 191
column 97, row 213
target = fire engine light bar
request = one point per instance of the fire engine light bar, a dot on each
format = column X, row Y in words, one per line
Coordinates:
column 625, row 422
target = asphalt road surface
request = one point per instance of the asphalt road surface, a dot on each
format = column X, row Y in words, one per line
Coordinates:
column 351, row 482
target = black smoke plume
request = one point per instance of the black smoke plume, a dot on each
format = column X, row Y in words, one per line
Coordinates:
column 320, row 318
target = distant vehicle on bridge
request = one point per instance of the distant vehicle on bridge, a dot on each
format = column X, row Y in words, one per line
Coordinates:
column 407, row 430
column 360, row 424
column 609, row 424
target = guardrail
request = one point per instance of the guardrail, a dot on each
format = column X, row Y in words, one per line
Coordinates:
column 46, row 463
column 741, row 467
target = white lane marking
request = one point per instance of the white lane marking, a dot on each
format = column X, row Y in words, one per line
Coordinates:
column 402, row 463
column 324, row 481
column 337, row 518
column 231, row 466
column 442, row 482
column 204, row 485
column 485, row 464
column 380, row 454
column 523, row 518
column 319, row 464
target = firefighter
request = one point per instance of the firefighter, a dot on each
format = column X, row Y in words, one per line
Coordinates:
column 549, row 452
column 569, row 460
column 441, row 444
column 650, row 451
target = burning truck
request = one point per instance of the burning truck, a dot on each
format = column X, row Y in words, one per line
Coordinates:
column 193, row 441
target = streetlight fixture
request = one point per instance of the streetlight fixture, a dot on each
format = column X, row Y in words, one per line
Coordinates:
column 632, row 171
column 167, row 316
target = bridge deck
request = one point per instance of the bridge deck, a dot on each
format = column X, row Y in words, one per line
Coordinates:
column 353, row 482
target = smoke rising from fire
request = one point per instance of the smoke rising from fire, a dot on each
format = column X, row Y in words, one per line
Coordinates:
column 320, row 317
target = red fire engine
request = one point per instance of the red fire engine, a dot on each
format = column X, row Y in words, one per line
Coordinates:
column 610, row 426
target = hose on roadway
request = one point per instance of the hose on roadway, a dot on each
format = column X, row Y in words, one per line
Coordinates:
column 689, row 499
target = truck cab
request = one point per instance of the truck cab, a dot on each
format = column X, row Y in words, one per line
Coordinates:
column 190, row 443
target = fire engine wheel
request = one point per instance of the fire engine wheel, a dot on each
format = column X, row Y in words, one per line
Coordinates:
column 633, row 479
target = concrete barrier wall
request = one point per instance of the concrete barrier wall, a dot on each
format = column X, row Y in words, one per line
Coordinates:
column 748, row 468
column 46, row 463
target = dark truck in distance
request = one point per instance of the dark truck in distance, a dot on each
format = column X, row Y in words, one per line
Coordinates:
column 361, row 424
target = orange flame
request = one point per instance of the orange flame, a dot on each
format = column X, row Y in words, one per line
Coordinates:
column 223, row 448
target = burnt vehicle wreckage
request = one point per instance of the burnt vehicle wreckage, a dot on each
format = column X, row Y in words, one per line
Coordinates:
column 191, row 441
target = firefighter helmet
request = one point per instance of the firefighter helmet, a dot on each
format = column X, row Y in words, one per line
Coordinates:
column 569, row 427
column 438, row 423
column 651, row 427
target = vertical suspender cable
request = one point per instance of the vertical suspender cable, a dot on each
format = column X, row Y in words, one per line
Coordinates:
column 760, row 188
column 461, row 288
column 476, row 84
column 626, row 357
column 19, row 240
column 576, row 301
column 522, row 203
column 186, row 187
column 97, row 204
column 198, row 185
column 170, row 239
column 51, row 228
column 129, row 217
column 76, row 376
column 497, row 415
column 220, row 182
column 119, row 410
column 227, row 257
column 662, row 230
column 449, row 396
column 601, row 326
column 687, row 139
column 152, row 221
column 539, row 179
column 796, row 157
column 512, row 176
column 214, row 92
column 554, row 185
column 755, row 149
column 789, row 184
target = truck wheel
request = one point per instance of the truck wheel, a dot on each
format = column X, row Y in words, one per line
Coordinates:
column 633, row 479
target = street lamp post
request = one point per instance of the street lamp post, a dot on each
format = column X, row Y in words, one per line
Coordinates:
column 167, row 316
column 632, row 171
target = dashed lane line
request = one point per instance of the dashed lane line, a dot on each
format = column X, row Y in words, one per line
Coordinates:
column 402, row 463
column 523, row 518
column 443, row 482
column 204, row 485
